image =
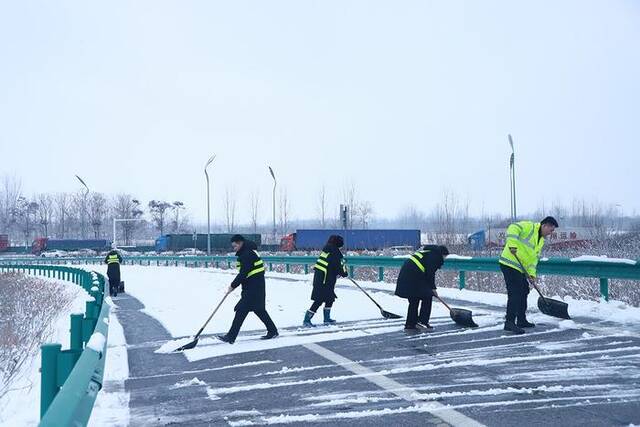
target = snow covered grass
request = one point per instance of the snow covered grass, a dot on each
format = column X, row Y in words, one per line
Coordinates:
column 34, row 310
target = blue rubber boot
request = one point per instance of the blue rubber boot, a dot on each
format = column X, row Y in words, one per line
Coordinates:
column 327, row 316
column 307, row 319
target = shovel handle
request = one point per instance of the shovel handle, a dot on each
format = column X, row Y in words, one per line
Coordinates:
column 442, row 301
column 528, row 282
column 366, row 293
column 214, row 312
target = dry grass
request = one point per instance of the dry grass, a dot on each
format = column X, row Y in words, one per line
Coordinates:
column 28, row 308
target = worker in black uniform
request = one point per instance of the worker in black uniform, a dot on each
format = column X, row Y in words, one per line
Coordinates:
column 113, row 260
column 251, row 278
column 329, row 266
column 417, row 283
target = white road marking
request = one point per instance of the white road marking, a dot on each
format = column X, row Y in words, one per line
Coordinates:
column 439, row 410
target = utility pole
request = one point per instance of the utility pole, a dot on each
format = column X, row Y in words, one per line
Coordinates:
column 208, row 205
column 275, row 183
column 512, row 167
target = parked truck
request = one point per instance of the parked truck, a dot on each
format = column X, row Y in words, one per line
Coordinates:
column 42, row 244
column 220, row 242
column 354, row 239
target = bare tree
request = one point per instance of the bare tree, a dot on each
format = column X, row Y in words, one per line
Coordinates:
column 364, row 212
column 322, row 206
column 25, row 217
column 177, row 206
column 158, row 211
column 79, row 210
column 98, row 206
column 350, row 198
column 45, row 212
column 230, row 209
column 285, row 211
column 11, row 192
column 254, row 207
column 62, row 212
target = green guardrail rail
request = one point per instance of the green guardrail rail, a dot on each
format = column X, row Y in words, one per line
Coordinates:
column 602, row 270
column 71, row 378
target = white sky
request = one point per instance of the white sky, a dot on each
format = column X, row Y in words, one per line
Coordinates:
column 402, row 98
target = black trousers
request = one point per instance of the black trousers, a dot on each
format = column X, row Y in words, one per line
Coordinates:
column 242, row 313
column 517, row 291
column 316, row 305
column 412, row 313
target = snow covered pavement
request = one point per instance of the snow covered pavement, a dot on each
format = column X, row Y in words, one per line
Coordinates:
column 366, row 371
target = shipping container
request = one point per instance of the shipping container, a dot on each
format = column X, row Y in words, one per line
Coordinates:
column 220, row 242
column 357, row 239
column 42, row 244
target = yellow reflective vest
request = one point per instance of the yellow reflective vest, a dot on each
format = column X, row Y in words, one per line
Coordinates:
column 525, row 236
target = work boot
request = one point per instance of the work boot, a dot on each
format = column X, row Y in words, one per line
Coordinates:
column 525, row 324
column 270, row 335
column 424, row 327
column 307, row 319
column 327, row 316
column 225, row 338
column 511, row 326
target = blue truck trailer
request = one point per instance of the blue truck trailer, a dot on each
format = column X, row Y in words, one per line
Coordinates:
column 315, row 239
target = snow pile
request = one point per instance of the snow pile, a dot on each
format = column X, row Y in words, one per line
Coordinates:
column 567, row 324
column 97, row 342
column 112, row 404
column 456, row 256
column 603, row 258
column 173, row 345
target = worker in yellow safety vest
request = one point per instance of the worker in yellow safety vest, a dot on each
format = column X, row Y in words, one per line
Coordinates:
column 518, row 262
column 113, row 260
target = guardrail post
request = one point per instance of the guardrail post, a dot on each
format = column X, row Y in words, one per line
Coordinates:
column 48, row 375
column 270, row 266
column 351, row 270
column 286, row 268
column 461, row 279
column 306, row 269
column 604, row 288
column 76, row 332
column 380, row 274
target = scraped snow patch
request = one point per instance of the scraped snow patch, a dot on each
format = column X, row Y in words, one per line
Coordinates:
column 96, row 342
column 603, row 258
column 187, row 383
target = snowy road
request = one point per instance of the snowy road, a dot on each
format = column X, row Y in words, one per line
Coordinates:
column 368, row 372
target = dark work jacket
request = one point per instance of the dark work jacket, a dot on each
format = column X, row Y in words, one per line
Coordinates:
column 412, row 281
column 324, row 286
column 113, row 269
column 253, row 288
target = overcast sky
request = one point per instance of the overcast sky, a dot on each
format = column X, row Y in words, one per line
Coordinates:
column 404, row 99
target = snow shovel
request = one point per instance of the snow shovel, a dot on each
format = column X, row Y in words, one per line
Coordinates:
column 461, row 316
column 548, row 306
column 192, row 344
column 385, row 314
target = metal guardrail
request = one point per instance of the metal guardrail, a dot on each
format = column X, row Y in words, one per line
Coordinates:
column 602, row 270
column 70, row 379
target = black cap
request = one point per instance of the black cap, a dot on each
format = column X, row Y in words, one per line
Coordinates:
column 444, row 251
column 336, row 239
column 550, row 220
column 237, row 238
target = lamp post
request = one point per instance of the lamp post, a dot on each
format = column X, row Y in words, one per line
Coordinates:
column 206, row 174
column 273, row 175
column 512, row 176
column 84, row 207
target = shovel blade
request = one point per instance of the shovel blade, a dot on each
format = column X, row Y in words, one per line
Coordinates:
column 554, row 308
column 188, row 346
column 388, row 315
column 463, row 317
